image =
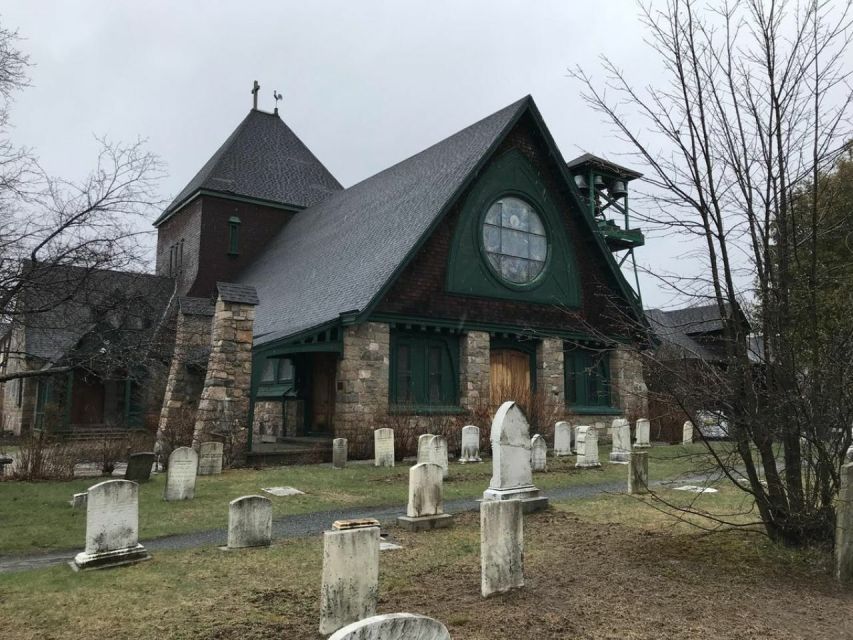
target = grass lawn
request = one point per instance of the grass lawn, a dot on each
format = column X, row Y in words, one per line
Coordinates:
column 36, row 516
column 608, row 567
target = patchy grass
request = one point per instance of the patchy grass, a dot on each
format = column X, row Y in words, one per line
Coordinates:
column 36, row 516
column 601, row 568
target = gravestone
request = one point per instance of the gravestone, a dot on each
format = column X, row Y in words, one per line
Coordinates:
column 383, row 447
column 589, row 458
column 78, row 500
column 350, row 587
column 181, row 474
column 112, row 526
column 209, row 458
column 139, row 467
column 638, row 472
column 538, row 453
column 511, row 474
column 426, row 508
column 424, row 452
column 249, row 522
column 393, row 626
column 501, row 546
column 579, row 438
column 642, row 438
column 470, row 444
column 620, row 452
column 438, row 450
column 339, row 453
column 562, row 439
column 844, row 527
column 687, row 433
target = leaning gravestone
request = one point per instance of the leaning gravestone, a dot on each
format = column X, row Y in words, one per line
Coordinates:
column 350, row 587
column 589, row 458
column 538, row 453
column 139, row 467
column 642, row 438
column 562, row 439
column 638, row 472
column 425, row 509
column 501, row 546
column 339, row 453
column 181, row 474
column 249, row 522
column 393, row 626
column 470, row 444
column 210, row 458
column 112, row 526
column 620, row 452
column 687, row 433
column 511, row 474
column 383, row 447
column 424, row 453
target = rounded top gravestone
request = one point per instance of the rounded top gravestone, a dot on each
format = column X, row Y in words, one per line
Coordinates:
column 393, row 626
column 510, row 438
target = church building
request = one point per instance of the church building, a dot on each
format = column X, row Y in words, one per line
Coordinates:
column 481, row 269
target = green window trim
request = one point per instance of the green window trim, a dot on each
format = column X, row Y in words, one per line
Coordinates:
column 233, row 236
column 423, row 373
column 587, row 380
column 277, row 377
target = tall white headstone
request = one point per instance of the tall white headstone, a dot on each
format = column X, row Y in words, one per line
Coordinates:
column 249, row 522
column 620, row 452
column 470, row 444
column 438, row 447
column 562, row 439
column 424, row 451
column 112, row 526
column 590, row 448
column 638, row 472
column 538, row 453
column 580, row 438
column 339, row 453
column 512, row 477
column 350, row 586
column 181, row 474
column 383, row 447
column 426, row 508
column 501, row 546
column 393, row 626
column 687, row 437
column 642, row 438
column 209, row 458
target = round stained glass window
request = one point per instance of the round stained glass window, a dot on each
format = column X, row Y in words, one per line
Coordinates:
column 515, row 241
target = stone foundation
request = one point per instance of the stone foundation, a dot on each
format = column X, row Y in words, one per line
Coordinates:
column 268, row 421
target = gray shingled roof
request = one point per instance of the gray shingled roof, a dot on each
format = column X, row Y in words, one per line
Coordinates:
column 265, row 160
column 239, row 293
column 336, row 256
column 606, row 165
column 676, row 330
column 196, row 306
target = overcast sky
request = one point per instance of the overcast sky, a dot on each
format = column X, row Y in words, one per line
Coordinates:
column 365, row 84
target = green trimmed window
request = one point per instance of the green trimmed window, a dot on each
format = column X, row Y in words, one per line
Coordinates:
column 277, row 377
column 234, row 235
column 424, row 371
column 587, row 373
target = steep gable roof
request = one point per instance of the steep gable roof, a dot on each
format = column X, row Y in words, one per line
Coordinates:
column 262, row 159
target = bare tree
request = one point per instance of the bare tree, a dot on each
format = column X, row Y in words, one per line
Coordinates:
column 752, row 107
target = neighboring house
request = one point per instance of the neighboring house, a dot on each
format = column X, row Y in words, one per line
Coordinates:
column 94, row 336
column 475, row 271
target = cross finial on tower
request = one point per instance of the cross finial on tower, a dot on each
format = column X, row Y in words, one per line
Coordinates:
column 277, row 96
column 255, row 90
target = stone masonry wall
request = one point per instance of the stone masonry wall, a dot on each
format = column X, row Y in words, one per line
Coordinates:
column 474, row 370
column 18, row 418
column 268, row 420
column 628, row 387
column 223, row 410
column 362, row 381
column 550, row 379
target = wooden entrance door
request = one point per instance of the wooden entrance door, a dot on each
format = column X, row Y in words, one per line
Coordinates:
column 323, row 367
column 87, row 405
column 509, row 372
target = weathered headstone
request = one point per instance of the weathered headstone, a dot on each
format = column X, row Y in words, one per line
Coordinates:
column 181, row 474
column 426, row 508
column 350, row 586
column 638, row 472
column 687, row 433
column 209, row 458
column 424, row 452
column 393, row 626
column 470, row 444
column 538, row 453
column 79, row 500
column 501, row 546
column 249, row 522
column 580, row 438
column 562, row 439
column 620, row 452
column 339, row 453
column 383, row 447
column 511, row 474
column 139, row 467
column 589, row 458
column 844, row 527
column 642, row 438
column 438, row 449
column 112, row 526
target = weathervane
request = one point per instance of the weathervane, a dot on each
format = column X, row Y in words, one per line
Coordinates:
column 255, row 90
column 277, row 96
